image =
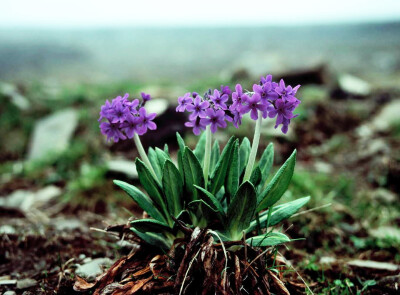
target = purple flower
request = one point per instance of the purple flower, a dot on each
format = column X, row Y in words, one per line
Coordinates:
column 132, row 106
column 215, row 118
column 105, row 110
column 197, row 108
column 268, row 78
column 183, row 102
column 266, row 91
column 254, row 105
column 197, row 125
column 118, row 112
column 145, row 97
column 237, row 118
column 130, row 125
column 219, row 100
column 238, row 98
column 112, row 131
column 286, row 92
column 145, row 121
column 225, row 90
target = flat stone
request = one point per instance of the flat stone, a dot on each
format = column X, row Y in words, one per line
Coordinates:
column 26, row 283
column 27, row 200
column 9, row 293
column 157, row 105
column 374, row 265
column 53, row 133
column 8, row 282
column 388, row 118
column 386, row 232
column 92, row 269
column 354, row 85
column 123, row 166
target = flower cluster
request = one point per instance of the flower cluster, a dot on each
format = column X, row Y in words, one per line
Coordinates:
column 125, row 117
column 217, row 107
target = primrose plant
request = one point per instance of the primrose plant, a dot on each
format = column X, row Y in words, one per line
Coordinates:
column 227, row 192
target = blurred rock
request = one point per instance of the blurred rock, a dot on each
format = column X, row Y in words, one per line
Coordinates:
column 126, row 167
column 7, row 229
column 386, row 232
column 374, row 147
column 384, row 195
column 157, row 105
column 92, row 269
column 53, row 133
column 63, row 224
column 316, row 75
column 9, row 293
column 16, row 98
column 388, row 118
column 327, row 260
column 323, row 167
column 374, row 265
column 27, row 200
column 26, row 283
column 354, row 85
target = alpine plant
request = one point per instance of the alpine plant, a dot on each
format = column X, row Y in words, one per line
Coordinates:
column 228, row 191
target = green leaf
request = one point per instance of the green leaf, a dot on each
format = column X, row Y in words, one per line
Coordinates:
column 141, row 199
column 211, row 200
column 166, row 149
column 232, row 179
column 278, row 184
column 153, row 239
column 181, row 143
column 154, row 162
column 279, row 213
column 215, row 154
column 162, row 157
column 150, row 225
column 268, row 240
column 193, row 173
column 200, row 148
column 284, row 211
column 150, row 184
column 266, row 161
column 241, row 210
column 173, row 187
column 244, row 153
column 221, row 170
column 255, row 177
column 180, row 164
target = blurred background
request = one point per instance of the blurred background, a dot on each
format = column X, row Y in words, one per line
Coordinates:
column 60, row 60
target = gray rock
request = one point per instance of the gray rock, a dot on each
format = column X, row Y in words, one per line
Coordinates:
column 92, row 269
column 384, row 195
column 27, row 200
column 374, row 265
column 386, row 232
column 327, row 260
column 157, row 105
column 16, row 98
column 53, row 133
column 26, row 283
column 7, row 229
column 354, row 85
column 7, row 282
column 388, row 118
column 123, row 166
column 63, row 224
column 9, row 293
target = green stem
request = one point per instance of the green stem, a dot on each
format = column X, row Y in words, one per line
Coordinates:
column 143, row 155
column 207, row 155
column 254, row 148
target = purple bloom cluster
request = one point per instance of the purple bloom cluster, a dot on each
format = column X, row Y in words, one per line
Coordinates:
column 124, row 118
column 217, row 107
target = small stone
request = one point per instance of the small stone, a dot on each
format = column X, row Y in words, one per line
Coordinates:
column 9, row 293
column 68, row 224
column 123, row 166
column 327, row 260
column 53, row 133
column 157, row 105
column 388, row 118
column 8, row 282
column 7, row 229
column 386, row 232
column 374, row 265
column 92, row 269
column 384, row 195
column 354, row 85
column 26, row 283
column 16, row 98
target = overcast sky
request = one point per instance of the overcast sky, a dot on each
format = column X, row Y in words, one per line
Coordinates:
column 115, row 13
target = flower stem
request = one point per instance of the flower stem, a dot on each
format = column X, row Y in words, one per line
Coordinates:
column 143, row 155
column 207, row 155
column 254, row 148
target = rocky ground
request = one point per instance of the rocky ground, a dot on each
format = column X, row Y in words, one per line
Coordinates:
column 55, row 203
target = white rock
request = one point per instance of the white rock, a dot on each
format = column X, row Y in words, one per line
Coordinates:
column 123, row 166
column 386, row 232
column 157, row 105
column 388, row 117
column 26, row 283
column 93, row 268
column 374, row 265
column 53, row 133
column 27, row 200
column 354, row 85
column 16, row 98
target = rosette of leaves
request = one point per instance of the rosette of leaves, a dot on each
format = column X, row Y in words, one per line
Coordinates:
column 227, row 204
